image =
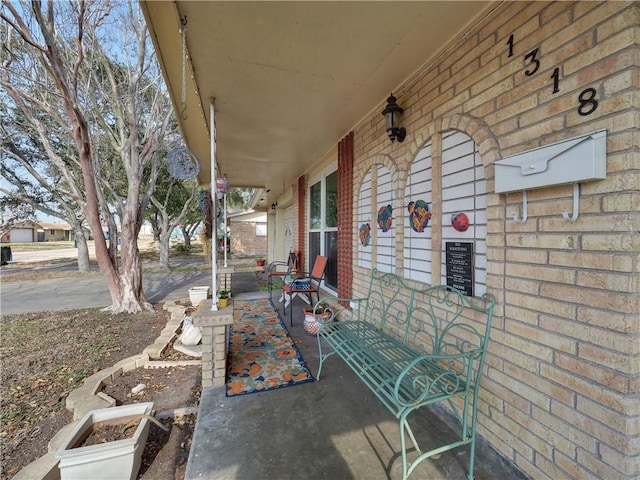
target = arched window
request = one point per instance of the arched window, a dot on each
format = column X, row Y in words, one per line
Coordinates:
column 365, row 223
column 385, row 221
column 464, row 202
column 417, row 214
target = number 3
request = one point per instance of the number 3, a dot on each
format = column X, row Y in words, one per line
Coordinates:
column 534, row 61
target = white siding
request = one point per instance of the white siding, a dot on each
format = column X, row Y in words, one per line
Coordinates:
column 417, row 245
column 464, row 190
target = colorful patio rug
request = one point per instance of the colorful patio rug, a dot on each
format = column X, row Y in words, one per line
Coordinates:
column 262, row 354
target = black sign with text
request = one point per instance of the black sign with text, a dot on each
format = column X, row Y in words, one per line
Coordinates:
column 459, row 262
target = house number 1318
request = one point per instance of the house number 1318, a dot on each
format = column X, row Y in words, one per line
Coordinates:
column 587, row 102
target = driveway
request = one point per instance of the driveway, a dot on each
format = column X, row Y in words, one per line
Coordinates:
column 91, row 290
column 43, row 255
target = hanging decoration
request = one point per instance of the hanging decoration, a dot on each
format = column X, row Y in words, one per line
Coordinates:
column 183, row 164
column 222, row 186
column 460, row 221
column 208, row 213
column 183, row 99
column 365, row 234
column 419, row 215
column 385, row 218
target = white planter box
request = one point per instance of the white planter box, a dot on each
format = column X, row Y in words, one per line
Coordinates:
column 107, row 461
column 198, row 294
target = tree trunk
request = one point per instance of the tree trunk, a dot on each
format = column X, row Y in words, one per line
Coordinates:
column 84, row 264
column 165, row 239
column 132, row 297
column 186, row 235
column 155, row 228
column 164, row 244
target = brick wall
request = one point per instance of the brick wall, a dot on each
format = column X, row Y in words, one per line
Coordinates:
column 561, row 391
column 245, row 241
column 300, row 211
column 345, row 216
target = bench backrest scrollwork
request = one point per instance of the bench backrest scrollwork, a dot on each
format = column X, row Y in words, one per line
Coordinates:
column 436, row 320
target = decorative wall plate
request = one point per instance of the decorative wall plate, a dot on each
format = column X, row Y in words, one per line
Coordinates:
column 419, row 215
column 365, row 234
column 460, row 221
column 385, row 218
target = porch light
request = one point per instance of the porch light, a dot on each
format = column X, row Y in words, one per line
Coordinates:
column 392, row 114
column 274, row 206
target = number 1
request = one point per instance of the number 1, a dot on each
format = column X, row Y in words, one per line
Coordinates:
column 510, row 44
column 556, row 79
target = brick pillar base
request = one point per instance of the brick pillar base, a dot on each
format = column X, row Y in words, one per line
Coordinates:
column 215, row 328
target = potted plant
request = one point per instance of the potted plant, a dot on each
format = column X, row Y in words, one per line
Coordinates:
column 314, row 316
column 260, row 262
column 223, row 298
column 80, row 457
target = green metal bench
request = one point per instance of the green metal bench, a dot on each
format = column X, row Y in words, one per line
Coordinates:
column 414, row 347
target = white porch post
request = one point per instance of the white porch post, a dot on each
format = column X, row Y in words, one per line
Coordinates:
column 214, row 201
column 226, row 231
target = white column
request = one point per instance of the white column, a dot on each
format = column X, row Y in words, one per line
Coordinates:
column 214, row 201
column 226, row 231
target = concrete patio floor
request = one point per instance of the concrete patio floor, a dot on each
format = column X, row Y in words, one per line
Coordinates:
column 331, row 429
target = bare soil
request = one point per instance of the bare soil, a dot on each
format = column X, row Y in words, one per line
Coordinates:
column 46, row 355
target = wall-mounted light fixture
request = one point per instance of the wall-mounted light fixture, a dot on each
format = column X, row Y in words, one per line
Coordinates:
column 274, row 206
column 392, row 114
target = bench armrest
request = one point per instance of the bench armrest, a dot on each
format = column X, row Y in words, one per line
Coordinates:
column 336, row 307
column 433, row 379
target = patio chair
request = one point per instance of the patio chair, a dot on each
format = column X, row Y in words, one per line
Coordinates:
column 304, row 284
column 280, row 269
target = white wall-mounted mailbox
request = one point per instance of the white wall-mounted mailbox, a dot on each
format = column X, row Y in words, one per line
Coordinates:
column 575, row 160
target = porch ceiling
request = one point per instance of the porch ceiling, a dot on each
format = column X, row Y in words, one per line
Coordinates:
column 290, row 79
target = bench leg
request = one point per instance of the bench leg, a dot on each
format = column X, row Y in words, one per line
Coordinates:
column 472, row 454
column 404, row 425
column 322, row 357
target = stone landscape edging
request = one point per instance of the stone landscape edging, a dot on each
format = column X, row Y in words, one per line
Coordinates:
column 90, row 397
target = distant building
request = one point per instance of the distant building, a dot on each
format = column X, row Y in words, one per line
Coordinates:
column 30, row 231
column 248, row 233
column 24, row 232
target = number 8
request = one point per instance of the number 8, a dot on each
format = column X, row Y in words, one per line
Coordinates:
column 588, row 102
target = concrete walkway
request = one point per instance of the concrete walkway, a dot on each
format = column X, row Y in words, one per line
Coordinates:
column 332, row 429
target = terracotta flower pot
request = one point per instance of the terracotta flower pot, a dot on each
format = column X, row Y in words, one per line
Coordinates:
column 312, row 320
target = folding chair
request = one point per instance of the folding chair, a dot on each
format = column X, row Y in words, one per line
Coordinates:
column 304, row 283
column 280, row 269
